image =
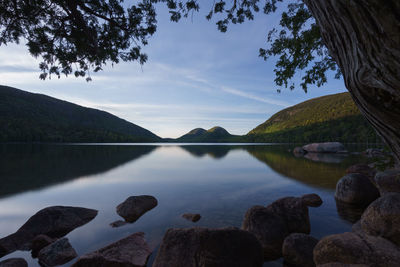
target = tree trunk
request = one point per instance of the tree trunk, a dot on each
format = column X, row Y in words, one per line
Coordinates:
column 363, row 36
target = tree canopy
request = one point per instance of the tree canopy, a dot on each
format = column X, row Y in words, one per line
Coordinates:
column 81, row 36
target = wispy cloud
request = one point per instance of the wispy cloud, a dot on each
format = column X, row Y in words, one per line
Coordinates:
column 254, row 97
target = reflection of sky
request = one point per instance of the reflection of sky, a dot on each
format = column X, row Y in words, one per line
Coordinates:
column 220, row 190
column 195, row 77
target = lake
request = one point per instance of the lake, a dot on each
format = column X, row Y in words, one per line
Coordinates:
column 218, row 181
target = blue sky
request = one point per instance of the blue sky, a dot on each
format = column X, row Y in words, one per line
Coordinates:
column 195, row 77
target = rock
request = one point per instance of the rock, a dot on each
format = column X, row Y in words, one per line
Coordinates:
column 388, row 181
column 356, row 248
column 328, row 147
column 194, row 217
column 350, row 212
column 55, row 222
column 355, row 188
column 227, row 247
column 311, row 200
column 362, row 169
column 269, row 228
column 337, row 264
column 326, row 157
column 131, row 251
column 298, row 249
column 374, row 152
column 14, row 262
column 40, row 242
column 135, row 206
column 57, row 253
column 299, row 151
column 356, row 228
column 272, row 224
column 118, row 223
column 382, row 218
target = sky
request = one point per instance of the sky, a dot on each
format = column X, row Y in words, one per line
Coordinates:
column 195, row 77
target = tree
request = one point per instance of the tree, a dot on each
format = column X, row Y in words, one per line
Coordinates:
column 358, row 39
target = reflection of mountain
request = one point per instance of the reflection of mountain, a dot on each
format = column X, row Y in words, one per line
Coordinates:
column 319, row 174
column 216, row 152
column 28, row 167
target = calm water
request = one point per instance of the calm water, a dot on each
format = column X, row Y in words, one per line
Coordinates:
column 218, row 181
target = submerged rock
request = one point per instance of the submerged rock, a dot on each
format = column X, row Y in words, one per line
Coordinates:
column 55, row 222
column 40, row 242
column 194, row 217
column 298, row 249
column 272, row 224
column 193, row 247
column 131, row 251
column 299, row 151
column 14, row 262
column 135, row 206
column 356, row 248
column 118, row 223
column 355, row 188
column 382, row 218
column 327, row 147
column 388, row 181
column 57, row 253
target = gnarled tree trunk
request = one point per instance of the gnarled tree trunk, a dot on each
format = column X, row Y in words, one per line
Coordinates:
column 363, row 36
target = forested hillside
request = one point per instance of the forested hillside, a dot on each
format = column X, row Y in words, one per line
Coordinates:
column 28, row 117
column 327, row 118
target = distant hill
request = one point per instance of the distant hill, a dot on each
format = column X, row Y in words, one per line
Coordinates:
column 328, row 118
column 214, row 135
column 28, row 117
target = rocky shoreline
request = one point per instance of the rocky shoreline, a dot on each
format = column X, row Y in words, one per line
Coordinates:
column 280, row 229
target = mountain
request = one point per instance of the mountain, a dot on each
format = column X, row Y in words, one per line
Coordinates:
column 328, row 118
column 29, row 117
column 214, row 135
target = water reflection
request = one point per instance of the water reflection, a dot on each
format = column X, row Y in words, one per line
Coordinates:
column 30, row 167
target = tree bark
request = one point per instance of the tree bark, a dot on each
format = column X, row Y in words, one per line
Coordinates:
column 363, row 36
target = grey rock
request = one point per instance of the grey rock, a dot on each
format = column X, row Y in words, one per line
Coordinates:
column 356, row 248
column 388, row 181
column 382, row 218
column 40, row 242
column 55, row 222
column 374, row 152
column 350, row 212
column 14, row 262
column 362, row 169
column 57, row 253
column 355, row 188
column 327, row 147
column 269, row 228
column 311, row 200
column 194, row 217
column 118, row 223
column 203, row 247
column 135, row 206
column 356, row 228
column 131, row 251
column 297, row 249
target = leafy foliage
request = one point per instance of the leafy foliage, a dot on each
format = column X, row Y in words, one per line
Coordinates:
column 27, row 117
column 76, row 37
column 327, row 118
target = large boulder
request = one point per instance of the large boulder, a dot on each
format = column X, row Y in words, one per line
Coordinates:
column 388, row 181
column 328, row 147
column 57, row 253
column 362, row 169
column 349, row 212
column 55, row 222
column 132, row 251
column 14, row 262
column 269, row 228
column 297, row 250
column 356, row 248
column 272, row 224
column 135, row 206
column 202, row 247
column 357, row 189
column 40, row 242
column 382, row 218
